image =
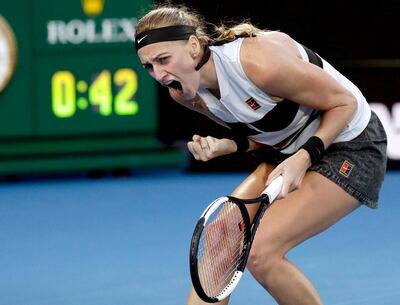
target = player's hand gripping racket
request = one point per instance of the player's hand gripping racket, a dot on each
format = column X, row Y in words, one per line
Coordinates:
column 221, row 243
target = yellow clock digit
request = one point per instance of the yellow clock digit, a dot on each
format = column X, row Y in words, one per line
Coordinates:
column 100, row 93
column 63, row 94
column 128, row 81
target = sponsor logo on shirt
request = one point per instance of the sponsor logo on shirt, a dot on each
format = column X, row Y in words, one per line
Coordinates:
column 251, row 102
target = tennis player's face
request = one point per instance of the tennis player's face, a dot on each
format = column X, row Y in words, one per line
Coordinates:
column 171, row 64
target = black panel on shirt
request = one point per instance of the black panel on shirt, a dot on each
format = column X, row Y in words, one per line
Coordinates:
column 281, row 115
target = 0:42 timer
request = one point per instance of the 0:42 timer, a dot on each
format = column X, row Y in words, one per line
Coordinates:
column 98, row 94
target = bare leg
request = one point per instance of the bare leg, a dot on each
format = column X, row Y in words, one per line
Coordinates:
column 302, row 214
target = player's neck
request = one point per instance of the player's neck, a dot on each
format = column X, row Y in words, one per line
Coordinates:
column 208, row 76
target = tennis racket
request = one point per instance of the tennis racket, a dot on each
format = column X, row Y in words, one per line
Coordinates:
column 222, row 240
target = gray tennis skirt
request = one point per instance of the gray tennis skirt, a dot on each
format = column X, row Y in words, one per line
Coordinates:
column 358, row 166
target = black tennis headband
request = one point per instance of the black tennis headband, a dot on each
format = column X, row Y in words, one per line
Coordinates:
column 169, row 33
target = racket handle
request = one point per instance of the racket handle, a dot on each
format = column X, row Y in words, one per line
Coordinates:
column 274, row 188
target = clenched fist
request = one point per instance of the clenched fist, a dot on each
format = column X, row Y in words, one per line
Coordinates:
column 207, row 148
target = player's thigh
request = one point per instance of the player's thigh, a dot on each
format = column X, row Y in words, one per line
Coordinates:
column 253, row 185
column 317, row 205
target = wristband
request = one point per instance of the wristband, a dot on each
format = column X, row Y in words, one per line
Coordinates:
column 315, row 148
column 242, row 143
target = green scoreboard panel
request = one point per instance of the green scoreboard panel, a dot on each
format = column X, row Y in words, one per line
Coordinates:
column 73, row 94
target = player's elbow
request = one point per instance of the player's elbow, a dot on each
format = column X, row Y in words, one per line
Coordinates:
column 346, row 105
column 350, row 105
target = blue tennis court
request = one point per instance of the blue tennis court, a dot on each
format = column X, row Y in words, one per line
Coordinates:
column 119, row 241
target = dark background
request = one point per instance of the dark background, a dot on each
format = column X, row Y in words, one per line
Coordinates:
column 346, row 33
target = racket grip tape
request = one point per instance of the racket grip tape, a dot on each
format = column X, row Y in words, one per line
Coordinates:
column 274, row 188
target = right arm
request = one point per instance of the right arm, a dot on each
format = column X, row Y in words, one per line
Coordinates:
column 207, row 148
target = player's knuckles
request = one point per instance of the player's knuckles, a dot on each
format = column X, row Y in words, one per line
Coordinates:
column 196, row 137
column 204, row 158
column 195, row 155
column 211, row 151
column 203, row 142
column 193, row 150
column 210, row 139
column 190, row 146
column 197, row 147
column 202, row 153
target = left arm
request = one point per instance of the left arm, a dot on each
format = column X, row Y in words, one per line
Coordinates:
column 272, row 62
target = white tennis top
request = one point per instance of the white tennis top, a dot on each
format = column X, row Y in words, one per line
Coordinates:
column 243, row 102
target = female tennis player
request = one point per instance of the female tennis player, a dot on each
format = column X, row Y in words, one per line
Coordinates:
column 300, row 117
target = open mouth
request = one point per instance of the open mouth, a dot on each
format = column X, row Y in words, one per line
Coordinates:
column 175, row 85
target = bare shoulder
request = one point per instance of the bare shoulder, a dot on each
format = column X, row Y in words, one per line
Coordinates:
column 267, row 45
column 275, row 37
column 265, row 55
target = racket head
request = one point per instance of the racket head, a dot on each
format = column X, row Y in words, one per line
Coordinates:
column 218, row 250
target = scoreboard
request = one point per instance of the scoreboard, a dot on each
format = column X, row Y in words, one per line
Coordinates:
column 73, row 94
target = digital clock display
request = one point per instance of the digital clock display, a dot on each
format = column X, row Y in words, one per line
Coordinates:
column 106, row 94
column 94, row 94
column 78, row 98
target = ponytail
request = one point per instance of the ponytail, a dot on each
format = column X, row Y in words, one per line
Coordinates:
column 224, row 34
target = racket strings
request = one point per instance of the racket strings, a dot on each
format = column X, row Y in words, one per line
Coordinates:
column 221, row 248
column 220, row 275
column 225, row 259
column 214, row 290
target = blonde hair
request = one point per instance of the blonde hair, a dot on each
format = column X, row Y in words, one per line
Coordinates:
column 167, row 15
column 226, row 34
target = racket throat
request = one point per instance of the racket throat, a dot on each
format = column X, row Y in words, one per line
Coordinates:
column 257, row 218
column 256, row 222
